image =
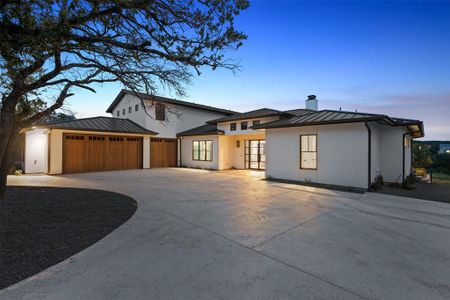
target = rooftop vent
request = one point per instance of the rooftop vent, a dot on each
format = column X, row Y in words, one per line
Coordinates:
column 312, row 103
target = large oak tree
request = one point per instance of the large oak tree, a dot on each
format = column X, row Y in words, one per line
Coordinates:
column 54, row 47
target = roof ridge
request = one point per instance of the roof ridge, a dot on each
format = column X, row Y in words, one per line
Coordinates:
column 80, row 119
column 164, row 98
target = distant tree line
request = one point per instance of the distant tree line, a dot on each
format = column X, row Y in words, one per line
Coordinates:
column 426, row 155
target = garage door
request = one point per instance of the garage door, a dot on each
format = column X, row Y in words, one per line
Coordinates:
column 163, row 153
column 88, row 153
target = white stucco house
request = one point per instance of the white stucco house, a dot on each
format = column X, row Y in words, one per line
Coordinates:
column 305, row 144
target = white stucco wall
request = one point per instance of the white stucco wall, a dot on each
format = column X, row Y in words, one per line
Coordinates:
column 178, row 118
column 225, row 126
column 186, row 152
column 391, row 147
column 341, row 150
column 36, row 151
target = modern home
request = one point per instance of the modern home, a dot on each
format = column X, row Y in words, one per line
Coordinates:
column 305, row 144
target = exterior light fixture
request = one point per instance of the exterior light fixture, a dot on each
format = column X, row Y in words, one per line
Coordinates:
column 238, row 143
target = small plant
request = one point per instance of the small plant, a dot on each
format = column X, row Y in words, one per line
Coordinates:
column 409, row 182
column 307, row 181
column 18, row 172
column 379, row 181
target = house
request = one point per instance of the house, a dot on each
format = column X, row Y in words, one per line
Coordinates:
column 322, row 146
column 305, row 144
column 141, row 134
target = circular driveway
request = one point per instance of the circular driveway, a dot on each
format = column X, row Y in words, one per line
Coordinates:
column 229, row 235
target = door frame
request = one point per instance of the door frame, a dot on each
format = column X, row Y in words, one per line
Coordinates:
column 248, row 155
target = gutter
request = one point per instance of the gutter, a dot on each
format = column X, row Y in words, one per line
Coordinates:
column 369, row 157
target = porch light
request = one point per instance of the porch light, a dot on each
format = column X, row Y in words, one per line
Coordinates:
column 238, row 143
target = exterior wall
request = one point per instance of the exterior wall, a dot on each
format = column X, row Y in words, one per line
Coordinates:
column 36, row 151
column 56, row 148
column 234, row 158
column 391, row 147
column 186, row 152
column 408, row 162
column 146, row 152
column 178, row 118
column 225, row 126
column 341, row 151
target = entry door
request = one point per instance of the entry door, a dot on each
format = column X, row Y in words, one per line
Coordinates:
column 255, row 154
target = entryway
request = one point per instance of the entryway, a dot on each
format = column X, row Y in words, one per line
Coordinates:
column 255, row 154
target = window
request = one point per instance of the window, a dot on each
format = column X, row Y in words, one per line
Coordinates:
column 118, row 113
column 160, row 112
column 232, row 126
column 244, row 125
column 256, row 122
column 123, row 112
column 202, row 150
column 136, row 107
column 129, row 110
column 308, row 151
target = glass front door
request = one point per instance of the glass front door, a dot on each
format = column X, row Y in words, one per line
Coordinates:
column 255, row 154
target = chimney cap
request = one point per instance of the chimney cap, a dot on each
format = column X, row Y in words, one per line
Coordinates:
column 311, row 97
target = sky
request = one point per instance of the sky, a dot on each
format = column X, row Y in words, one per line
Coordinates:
column 380, row 57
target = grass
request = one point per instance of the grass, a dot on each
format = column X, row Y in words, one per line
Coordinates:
column 441, row 178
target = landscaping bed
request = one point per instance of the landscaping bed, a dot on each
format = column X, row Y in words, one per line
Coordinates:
column 40, row 227
column 427, row 191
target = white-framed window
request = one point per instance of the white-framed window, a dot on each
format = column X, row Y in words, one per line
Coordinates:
column 308, row 151
column 202, row 150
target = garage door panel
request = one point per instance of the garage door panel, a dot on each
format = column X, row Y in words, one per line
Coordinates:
column 163, row 153
column 88, row 153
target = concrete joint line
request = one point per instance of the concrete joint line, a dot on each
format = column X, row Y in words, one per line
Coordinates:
column 270, row 257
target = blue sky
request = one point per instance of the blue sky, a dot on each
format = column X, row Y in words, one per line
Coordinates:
column 381, row 57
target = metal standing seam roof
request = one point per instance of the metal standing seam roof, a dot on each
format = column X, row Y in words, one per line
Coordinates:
column 335, row 117
column 208, row 129
column 101, row 124
column 254, row 114
column 169, row 101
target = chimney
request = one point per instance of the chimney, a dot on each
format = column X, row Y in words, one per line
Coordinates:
column 312, row 103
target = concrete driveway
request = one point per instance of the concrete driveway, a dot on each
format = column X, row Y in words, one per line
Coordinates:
column 223, row 235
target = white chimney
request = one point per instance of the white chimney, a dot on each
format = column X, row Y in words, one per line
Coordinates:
column 312, row 103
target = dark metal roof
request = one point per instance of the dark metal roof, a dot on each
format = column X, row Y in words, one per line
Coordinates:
column 254, row 114
column 208, row 129
column 169, row 101
column 335, row 117
column 102, row 124
column 300, row 111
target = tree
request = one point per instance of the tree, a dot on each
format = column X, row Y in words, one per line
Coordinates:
column 59, row 45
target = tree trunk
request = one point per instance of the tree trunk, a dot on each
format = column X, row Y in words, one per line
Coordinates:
column 8, row 128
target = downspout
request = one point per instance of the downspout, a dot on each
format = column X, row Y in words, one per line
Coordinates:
column 179, row 161
column 369, row 157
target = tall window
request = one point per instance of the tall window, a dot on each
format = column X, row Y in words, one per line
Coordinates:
column 244, row 125
column 202, row 150
column 118, row 113
column 129, row 110
column 160, row 112
column 123, row 112
column 136, row 107
column 308, row 151
column 232, row 126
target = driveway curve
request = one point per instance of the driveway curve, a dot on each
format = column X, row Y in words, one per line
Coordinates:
column 226, row 235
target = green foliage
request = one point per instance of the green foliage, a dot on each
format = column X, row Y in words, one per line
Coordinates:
column 409, row 182
column 426, row 155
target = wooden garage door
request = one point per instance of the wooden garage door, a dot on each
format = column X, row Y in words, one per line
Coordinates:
column 163, row 153
column 88, row 153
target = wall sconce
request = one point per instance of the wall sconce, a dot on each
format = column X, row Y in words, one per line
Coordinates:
column 238, row 143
